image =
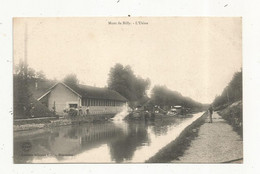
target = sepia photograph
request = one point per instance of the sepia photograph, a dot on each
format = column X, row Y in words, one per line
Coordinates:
column 127, row 90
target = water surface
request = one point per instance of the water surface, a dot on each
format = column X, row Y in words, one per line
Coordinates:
column 109, row 142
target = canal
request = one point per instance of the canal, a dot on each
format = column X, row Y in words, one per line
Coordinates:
column 109, row 142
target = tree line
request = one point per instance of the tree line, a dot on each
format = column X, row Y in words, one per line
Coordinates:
column 124, row 81
column 165, row 98
column 120, row 78
column 23, row 70
column 232, row 92
column 25, row 105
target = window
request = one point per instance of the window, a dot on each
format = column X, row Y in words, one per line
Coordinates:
column 73, row 105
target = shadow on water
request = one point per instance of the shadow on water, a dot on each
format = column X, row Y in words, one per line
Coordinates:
column 122, row 140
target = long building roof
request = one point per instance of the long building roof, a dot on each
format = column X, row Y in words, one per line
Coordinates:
column 95, row 92
column 85, row 91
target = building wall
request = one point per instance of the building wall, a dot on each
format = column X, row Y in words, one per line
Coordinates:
column 101, row 106
column 102, row 109
column 62, row 97
column 101, row 102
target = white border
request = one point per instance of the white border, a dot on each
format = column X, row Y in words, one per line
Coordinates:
column 251, row 68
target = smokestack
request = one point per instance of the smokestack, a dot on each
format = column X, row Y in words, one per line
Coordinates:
column 25, row 51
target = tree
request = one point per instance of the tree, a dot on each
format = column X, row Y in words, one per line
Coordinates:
column 22, row 105
column 31, row 74
column 124, row 81
column 40, row 75
column 141, row 85
column 71, row 79
column 232, row 92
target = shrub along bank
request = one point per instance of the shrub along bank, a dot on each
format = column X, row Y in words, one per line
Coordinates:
column 234, row 116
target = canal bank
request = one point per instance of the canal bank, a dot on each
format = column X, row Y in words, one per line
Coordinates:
column 177, row 147
column 52, row 122
column 216, row 142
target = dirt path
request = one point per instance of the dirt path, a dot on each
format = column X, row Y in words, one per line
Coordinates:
column 216, row 143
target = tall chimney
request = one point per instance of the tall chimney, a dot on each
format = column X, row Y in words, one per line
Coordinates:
column 25, row 51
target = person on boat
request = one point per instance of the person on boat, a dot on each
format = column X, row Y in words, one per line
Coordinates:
column 210, row 113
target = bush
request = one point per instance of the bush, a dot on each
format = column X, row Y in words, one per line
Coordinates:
column 39, row 110
column 234, row 116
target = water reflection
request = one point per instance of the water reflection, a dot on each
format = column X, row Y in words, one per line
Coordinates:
column 123, row 147
column 100, row 142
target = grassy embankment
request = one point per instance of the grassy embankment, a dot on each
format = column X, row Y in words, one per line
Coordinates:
column 233, row 114
column 176, row 148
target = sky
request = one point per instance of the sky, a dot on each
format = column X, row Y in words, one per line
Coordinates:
column 196, row 56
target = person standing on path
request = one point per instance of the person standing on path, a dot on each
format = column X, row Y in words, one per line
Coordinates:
column 210, row 113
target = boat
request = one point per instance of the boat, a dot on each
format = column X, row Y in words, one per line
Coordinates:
column 173, row 112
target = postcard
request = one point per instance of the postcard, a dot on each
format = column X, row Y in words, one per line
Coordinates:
column 127, row 90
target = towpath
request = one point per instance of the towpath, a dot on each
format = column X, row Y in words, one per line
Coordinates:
column 216, row 143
